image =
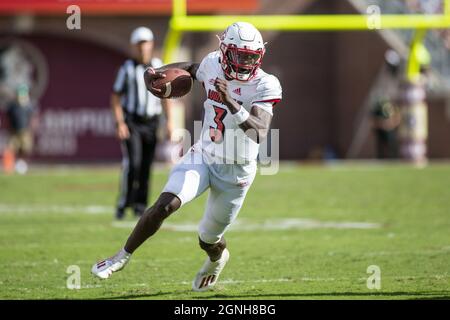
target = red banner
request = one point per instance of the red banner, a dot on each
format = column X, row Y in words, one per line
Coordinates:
column 133, row 7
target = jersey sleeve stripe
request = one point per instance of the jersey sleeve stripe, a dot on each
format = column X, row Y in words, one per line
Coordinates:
column 273, row 101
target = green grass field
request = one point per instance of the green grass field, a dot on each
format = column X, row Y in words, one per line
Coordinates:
column 309, row 232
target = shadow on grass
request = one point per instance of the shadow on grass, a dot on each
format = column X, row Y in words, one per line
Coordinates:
column 447, row 297
column 426, row 295
column 144, row 295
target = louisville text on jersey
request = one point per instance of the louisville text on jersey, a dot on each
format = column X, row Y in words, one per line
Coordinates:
column 215, row 96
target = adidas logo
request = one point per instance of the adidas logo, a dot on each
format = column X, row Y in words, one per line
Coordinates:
column 237, row 91
column 101, row 264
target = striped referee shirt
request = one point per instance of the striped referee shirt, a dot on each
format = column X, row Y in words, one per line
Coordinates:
column 130, row 85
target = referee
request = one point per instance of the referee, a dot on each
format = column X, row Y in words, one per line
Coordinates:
column 136, row 112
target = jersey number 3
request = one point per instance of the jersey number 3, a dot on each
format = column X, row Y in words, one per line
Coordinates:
column 216, row 134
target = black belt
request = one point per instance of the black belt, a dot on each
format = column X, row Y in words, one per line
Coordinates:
column 141, row 119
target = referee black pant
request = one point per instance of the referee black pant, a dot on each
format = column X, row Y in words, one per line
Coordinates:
column 138, row 153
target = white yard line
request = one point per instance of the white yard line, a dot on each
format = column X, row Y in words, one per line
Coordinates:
column 266, row 225
column 60, row 209
column 238, row 225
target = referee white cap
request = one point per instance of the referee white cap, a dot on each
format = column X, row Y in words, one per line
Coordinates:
column 141, row 34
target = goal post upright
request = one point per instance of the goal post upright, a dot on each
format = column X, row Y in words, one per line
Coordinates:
column 181, row 22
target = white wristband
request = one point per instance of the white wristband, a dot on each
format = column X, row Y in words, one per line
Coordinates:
column 241, row 116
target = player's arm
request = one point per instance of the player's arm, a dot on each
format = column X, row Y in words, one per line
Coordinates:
column 152, row 74
column 121, row 127
column 259, row 121
column 119, row 88
column 255, row 124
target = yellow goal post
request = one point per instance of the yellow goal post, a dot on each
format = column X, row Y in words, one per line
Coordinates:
column 181, row 22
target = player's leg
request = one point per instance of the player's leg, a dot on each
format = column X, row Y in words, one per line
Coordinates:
column 187, row 181
column 224, row 203
column 148, row 152
column 25, row 140
column 213, row 250
column 152, row 219
column 131, row 153
column 221, row 210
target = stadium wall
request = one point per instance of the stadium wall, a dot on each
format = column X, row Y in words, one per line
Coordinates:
column 325, row 76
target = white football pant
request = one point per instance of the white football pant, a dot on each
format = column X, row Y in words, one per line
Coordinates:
column 228, row 185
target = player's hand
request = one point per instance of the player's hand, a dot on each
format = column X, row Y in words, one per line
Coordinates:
column 122, row 131
column 222, row 88
column 151, row 75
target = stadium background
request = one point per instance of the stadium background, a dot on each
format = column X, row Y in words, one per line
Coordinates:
column 327, row 77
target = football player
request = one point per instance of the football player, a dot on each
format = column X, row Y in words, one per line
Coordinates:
column 238, row 112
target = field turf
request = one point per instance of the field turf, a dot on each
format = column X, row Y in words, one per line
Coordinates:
column 309, row 232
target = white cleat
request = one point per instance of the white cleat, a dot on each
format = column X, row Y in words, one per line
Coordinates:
column 105, row 268
column 207, row 277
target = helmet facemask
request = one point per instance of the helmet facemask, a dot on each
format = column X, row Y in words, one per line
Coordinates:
column 240, row 63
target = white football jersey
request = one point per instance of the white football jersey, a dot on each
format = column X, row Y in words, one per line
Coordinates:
column 221, row 136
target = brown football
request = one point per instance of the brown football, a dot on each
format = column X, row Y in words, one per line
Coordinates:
column 177, row 83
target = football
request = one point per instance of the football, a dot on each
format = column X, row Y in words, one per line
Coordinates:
column 177, row 83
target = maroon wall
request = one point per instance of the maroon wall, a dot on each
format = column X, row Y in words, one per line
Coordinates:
column 358, row 60
column 75, row 122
